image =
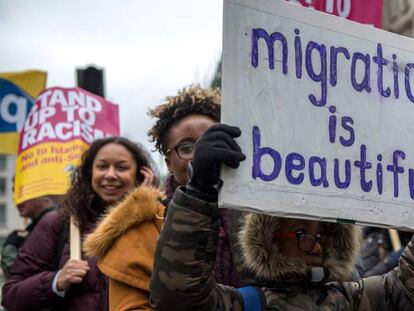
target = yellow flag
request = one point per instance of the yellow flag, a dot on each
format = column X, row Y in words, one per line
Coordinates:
column 30, row 81
column 17, row 93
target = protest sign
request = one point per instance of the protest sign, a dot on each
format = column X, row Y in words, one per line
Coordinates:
column 61, row 125
column 365, row 12
column 17, row 93
column 326, row 109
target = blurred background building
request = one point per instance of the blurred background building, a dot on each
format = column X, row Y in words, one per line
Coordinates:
column 398, row 17
column 9, row 216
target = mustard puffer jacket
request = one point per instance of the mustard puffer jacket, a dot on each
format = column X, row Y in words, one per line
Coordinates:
column 124, row 243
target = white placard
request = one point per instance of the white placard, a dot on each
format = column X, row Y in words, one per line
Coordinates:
column 326, row 108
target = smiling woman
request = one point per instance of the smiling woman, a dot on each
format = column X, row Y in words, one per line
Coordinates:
column 113, row 172
column 109, row 169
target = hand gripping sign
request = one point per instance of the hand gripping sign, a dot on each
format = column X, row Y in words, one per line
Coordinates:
column 326, row 109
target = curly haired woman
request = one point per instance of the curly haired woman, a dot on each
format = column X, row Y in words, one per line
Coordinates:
column 40, row 279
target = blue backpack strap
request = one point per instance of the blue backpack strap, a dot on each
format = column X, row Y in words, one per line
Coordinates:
column 252, row 298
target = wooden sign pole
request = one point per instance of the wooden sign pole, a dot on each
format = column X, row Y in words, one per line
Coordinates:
column 395, row 239
column 75, row 241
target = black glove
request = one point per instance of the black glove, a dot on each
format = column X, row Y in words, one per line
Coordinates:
column 216, row 146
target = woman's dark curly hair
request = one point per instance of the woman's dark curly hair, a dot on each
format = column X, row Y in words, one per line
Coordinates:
column 190, row 100
column 81, row 201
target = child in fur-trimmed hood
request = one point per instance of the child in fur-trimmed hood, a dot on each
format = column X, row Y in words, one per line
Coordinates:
column 296, row 264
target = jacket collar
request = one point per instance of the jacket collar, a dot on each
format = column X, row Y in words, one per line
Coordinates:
column 140, row 205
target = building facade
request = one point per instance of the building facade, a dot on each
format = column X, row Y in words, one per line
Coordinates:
column 9, row 216
column 398, row 17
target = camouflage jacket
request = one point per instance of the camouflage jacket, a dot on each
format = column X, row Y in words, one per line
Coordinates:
column 182, row 276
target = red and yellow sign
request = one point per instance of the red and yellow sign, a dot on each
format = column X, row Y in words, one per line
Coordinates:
column 362, row 11
column 59, row 128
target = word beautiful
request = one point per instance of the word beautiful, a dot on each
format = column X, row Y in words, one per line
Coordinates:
column 62, row 116
column 319, row 51
column 318, row 168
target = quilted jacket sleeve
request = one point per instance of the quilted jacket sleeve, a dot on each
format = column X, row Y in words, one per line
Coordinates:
column 390, row 291
column 184, row 259
column 29, row 286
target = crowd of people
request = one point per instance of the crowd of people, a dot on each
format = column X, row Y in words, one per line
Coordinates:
column 170, row 247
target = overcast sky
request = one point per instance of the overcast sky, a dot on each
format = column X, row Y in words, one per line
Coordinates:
column 149, row 48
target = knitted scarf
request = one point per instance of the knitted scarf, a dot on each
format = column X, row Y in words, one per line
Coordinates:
column 224, row 271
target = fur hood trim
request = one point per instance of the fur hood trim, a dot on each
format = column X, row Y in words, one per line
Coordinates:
column 262, row 256
column 140, row 205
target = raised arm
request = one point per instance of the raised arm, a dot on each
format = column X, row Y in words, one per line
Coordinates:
column 184, row 260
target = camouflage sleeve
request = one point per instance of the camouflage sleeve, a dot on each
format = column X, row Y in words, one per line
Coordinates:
column 8, row 256
column 393, row 290
column 182, row 278
column 10, row 249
